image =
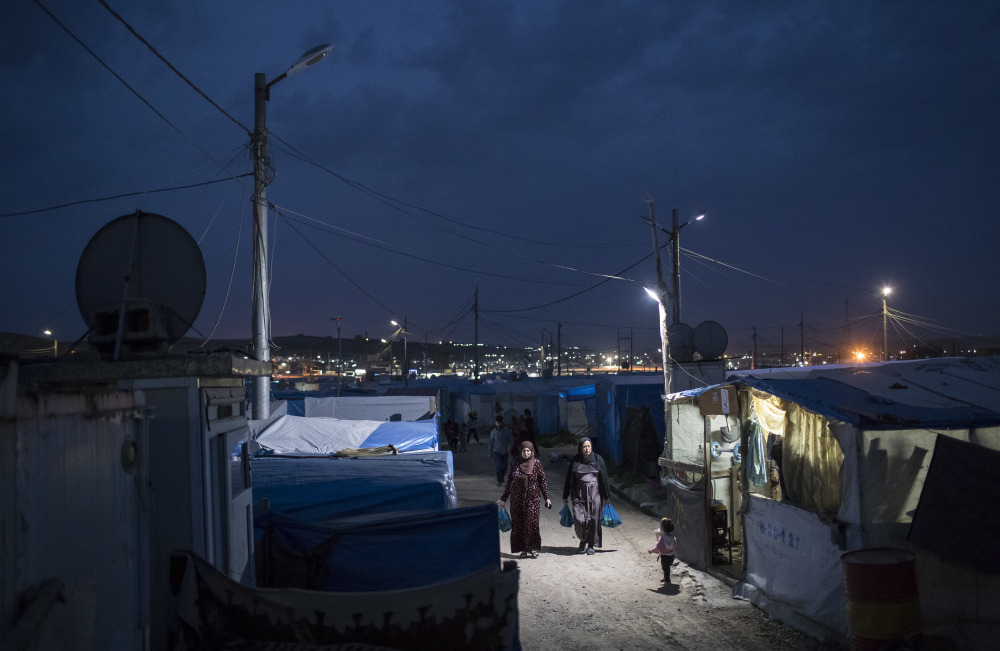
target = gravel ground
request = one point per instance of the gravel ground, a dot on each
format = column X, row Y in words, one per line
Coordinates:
column 614, row 599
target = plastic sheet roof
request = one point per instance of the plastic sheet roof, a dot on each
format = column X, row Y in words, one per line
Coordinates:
column 935, row 393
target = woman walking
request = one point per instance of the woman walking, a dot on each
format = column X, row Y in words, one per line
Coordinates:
column 525, row 487
column 587, row 482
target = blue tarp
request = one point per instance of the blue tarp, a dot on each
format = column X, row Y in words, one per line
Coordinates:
column 616, row 395
column 385, row 553
column 319, row 490
column 840, row 401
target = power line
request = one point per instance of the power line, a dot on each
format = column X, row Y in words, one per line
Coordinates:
column 122, row 196
column 171, row 66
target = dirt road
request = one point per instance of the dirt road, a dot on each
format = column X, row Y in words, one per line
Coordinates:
column 613, row 599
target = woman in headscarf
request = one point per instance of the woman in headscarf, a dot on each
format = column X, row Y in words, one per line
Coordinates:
column 525, row 487
column 587, row 482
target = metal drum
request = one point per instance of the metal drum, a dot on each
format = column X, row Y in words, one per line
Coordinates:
column 882, row 602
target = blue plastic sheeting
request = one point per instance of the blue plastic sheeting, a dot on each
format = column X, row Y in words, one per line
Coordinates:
column 579, row 393
column 617, row 396
column 322, row 489
column 388, row 553
column 406, row 436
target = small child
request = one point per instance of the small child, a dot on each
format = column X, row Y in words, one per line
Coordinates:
column 665, row 543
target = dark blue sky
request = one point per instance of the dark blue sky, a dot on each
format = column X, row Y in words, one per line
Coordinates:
column 836, row 147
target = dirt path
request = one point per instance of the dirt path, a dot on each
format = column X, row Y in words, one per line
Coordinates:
column 613, row 599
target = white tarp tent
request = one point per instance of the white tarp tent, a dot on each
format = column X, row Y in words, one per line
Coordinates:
column 302, row 435
column 379, row 408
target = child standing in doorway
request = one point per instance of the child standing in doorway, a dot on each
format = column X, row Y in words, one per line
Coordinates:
column 665, row 543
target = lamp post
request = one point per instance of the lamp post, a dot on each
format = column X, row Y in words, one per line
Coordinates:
column 261, row 300
column 55, row 343
column 340, row 359
column 885, row 322
column 406, row 360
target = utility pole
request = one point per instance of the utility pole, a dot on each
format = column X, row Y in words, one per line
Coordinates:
column 753, row 362
column 340, row 359
column 675, row 236
column 782, row 346
column 261, row 300
column 559, row 349
column 885, row 324
column 406, row 357
column 475, row 310
column 802, row 340
column 661, row 288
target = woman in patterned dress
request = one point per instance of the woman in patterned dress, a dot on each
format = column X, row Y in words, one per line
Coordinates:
column 525, row 487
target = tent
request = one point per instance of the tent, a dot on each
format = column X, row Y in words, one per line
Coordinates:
column 382, row 408
column 319, row 490
column 395, row 551
column 311, row 435
column 852, row 447
column 619, row 409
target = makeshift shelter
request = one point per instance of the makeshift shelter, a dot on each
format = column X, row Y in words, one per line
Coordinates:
column 316, row 435
column 852, row 447
column 621, row 421
column 394, row 551
column 383, row 408
column 319, row 490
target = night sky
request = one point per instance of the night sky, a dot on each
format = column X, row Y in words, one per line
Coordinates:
column 836, row 147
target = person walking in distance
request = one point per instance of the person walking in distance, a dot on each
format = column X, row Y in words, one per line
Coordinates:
column 525, row 488
column 665, row 543
column 474, row 427
column 500, row 443
column 588, row 483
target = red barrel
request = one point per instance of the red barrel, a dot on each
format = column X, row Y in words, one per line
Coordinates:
column 883, row 606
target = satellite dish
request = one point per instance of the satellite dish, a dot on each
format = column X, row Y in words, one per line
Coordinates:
column 681, row 338
column 710, row 340
column 140, row 284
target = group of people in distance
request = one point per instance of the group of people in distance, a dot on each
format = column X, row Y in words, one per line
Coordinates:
column 586, row 489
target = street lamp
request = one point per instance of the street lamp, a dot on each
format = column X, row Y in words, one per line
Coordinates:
column 261, row 300
column 55, row 343
column 406, row 358
column 885, row 321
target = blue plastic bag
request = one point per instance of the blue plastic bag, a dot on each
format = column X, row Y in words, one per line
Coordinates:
column 505, row 523
column 609, row 517
column 566, row 517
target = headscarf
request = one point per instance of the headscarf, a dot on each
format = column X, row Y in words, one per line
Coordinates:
column 579, row 452
column 526, row 465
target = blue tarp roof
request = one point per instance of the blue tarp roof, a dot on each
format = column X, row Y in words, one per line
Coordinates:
column 320, row 490
column 395, row 551
column 948, row 393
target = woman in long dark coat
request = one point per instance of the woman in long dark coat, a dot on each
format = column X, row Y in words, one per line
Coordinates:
column 588, row 484
column 525, row 487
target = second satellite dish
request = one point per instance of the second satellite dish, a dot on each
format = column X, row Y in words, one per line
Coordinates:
column 140, row 284
column 681, row 337
column 710, row 340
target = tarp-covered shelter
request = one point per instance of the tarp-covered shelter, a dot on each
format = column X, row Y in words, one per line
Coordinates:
column 627, row 407
column 557, row 403
column 852, row 447
column 395, row 551
column 318, row 435
column 320, row 490
column 394, row 407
